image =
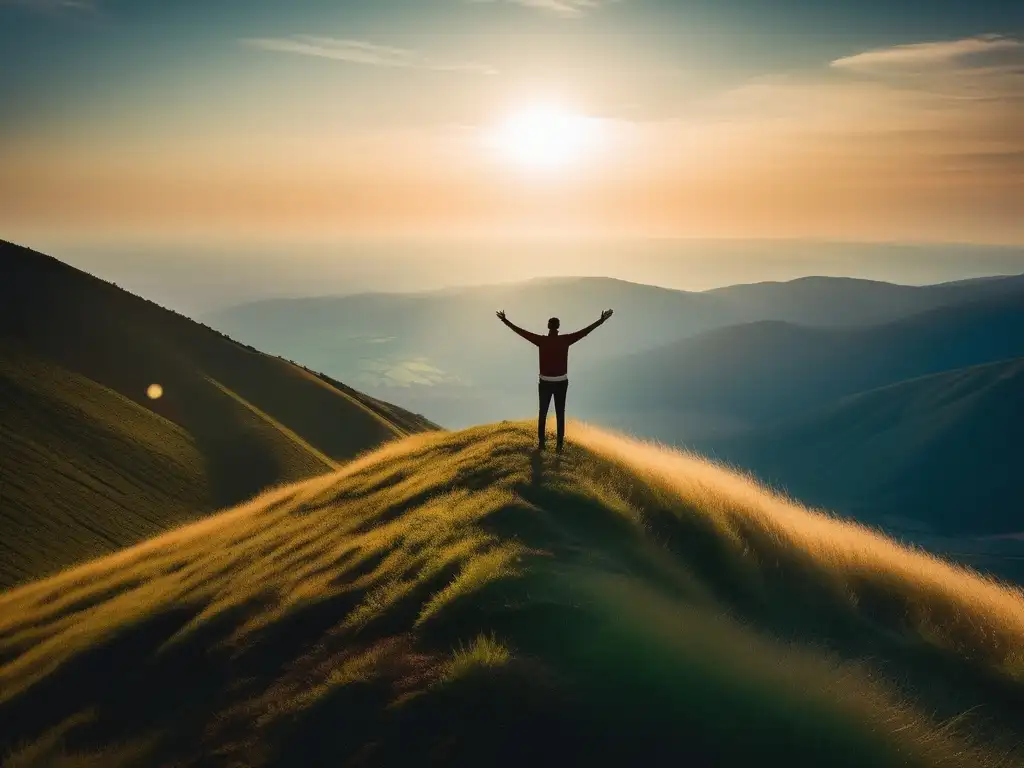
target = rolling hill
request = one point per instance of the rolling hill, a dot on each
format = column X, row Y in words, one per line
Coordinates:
column 771, row 371
column 844, row 301
column 457, row 599
column 941, row 453
column 91, row 463
column 440, row 353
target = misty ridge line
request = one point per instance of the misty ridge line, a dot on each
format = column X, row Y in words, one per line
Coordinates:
column 573, row 281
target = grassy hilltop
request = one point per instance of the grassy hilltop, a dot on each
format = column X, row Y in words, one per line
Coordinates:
column 458, row 599
column 89, row 463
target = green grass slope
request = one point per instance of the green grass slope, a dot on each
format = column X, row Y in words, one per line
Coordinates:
column 941, row 453
column 77, row 355
column 456, row 599
column 70, row 447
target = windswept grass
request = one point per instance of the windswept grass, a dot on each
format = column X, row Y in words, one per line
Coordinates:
column 459, row 599
column 484, row 652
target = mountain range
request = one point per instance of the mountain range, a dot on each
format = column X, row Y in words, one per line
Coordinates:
column 440, row 353
column 771, row 370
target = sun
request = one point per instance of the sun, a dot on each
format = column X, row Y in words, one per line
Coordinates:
column 544, row 137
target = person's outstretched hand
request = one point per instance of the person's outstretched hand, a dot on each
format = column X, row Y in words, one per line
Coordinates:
column 606, row 314
column 501, row 314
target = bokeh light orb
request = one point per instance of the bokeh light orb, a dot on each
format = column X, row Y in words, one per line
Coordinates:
column 154, row 392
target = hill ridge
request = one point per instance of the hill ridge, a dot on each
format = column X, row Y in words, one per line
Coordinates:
column 456, row 597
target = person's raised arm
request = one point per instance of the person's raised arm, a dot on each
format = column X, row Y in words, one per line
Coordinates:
column 533, row 338
column 574, row 337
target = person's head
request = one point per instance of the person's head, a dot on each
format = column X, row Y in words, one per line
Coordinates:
column 553, row 325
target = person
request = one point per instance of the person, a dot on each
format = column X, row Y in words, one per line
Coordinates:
column 554, row 369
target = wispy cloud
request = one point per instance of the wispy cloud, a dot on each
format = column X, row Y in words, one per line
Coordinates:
column 559, row 7
column 363, row 52
column 927, row 85
column 53, row 6
column 973, row 70
column 966, row 52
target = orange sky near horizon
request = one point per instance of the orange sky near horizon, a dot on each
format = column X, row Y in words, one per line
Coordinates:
column 861, row 148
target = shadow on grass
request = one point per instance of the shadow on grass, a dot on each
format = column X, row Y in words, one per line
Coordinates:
column 95, row 679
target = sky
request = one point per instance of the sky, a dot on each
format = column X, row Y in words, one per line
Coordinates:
column 232, row 121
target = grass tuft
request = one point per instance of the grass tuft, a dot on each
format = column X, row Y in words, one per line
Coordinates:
column 485, row 651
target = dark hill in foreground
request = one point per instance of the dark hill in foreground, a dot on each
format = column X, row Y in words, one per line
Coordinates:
column 455, row 599
column 90, row 463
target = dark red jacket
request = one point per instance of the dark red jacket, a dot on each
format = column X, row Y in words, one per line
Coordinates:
column 554, row 349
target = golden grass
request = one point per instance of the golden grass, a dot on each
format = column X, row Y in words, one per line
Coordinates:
column 648, row 580
column 483, row 652
column 949, row 605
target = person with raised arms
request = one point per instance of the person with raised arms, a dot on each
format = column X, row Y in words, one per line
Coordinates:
column 554, row 369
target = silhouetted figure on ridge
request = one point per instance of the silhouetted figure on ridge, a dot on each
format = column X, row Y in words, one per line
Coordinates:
column 554, row 368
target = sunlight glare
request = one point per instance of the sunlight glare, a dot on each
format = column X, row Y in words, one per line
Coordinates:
column 545, row 137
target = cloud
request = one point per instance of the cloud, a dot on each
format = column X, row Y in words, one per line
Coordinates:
column 968, row 52
column 986, row 68
column 935, row 85
column 53, row 6
column 938, row 118
column 559, row 7
column 363, row 52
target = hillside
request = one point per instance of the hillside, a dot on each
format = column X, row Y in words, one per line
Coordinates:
column 457, row 599
column 90, row 463
column 941, row 453
column 69, row 445
column 771, row 371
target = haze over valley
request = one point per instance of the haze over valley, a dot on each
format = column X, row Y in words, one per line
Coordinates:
column 198, row 276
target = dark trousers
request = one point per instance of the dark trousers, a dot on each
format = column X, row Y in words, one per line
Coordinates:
column 547, row 390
